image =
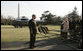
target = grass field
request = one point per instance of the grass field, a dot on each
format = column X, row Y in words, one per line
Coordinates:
column 11, row 34
column 16, row 38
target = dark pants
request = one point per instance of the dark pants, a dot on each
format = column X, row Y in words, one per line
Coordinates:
column 32, row 38
column 71, row 32
column 61, row 33
column 64, row 35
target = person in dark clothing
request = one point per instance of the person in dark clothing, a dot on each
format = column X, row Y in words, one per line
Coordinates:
column 46, row 29
column 71, row 27
column 61, row 29
column 79, row 29
column 43, row 29
column 40, row 28
column 33, row 31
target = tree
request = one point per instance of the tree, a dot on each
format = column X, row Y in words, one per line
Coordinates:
column 3, row 20
column 47, row 17
column 57, row 20
column 6, row 21
column 73, row 14
column 9, row 20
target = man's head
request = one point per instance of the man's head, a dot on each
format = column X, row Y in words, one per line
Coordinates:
column 65, row 19
column 33, row 16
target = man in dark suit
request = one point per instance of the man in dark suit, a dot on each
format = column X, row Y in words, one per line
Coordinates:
column 71, row 27
column 33, row 31
column 79, row 30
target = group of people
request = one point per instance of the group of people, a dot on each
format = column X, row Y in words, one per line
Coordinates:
column 74, row 27
column 43, row 29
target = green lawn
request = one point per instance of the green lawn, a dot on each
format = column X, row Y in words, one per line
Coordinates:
column 11, row 34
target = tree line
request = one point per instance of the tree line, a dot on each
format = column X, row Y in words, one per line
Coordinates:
column 49, row 18
column 46, row 18
column 6, row 21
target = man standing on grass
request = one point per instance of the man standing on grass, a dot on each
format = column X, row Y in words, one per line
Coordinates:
column 33, row 31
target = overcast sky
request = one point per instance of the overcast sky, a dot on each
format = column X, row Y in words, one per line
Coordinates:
column 27, row 8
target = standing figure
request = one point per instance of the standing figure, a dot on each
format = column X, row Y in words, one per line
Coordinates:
column 33, row 31
column 71, row 27
column 39, row 28
column 65, row 27
column 79, row 27
column 61, row 28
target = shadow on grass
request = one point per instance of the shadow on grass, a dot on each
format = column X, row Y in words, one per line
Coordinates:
column 19, row 43
column 23, row 43
column 12, row 44
column 56, row 43
column 49, row 35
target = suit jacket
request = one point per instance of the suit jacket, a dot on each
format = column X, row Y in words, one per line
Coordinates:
column 32, row 26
